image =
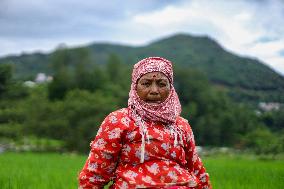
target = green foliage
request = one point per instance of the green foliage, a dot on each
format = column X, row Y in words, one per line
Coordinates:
column 12, row 117
column 10, row 88
column 71, row 107
column 60, row 85
column 27, row 66
column 241, row 77
column 5, row 77
column 274, row 120
column 62, row 80
column 75, row 120
column 263, row 141
column 10, row 130
column 214, row 118
column 114, row 68
column 84, row 112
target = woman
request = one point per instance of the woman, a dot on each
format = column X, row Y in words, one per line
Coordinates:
column 148, row 144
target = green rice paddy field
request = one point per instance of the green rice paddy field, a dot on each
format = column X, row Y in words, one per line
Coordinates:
column 59, row 171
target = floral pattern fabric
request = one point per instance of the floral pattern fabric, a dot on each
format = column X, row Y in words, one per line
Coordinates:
column 166, row 111
column 116, row 150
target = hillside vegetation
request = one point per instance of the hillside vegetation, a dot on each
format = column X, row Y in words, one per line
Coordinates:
column 241, row 78
column 65, row 114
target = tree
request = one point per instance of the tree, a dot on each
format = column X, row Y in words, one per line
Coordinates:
column 263, row 141
column 274, row 120
column 5, row 77
column 114, row 68
column 119, row 79
column 62, row 79
column 215, row 119
column 83, row 78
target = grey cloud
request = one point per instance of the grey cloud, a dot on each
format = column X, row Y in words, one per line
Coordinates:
column 266, row 39
column 29, row 25
column 38, row 18
column 269, row 15
column 281, row 52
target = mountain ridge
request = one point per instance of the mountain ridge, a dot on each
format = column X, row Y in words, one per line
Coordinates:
column 222, row 67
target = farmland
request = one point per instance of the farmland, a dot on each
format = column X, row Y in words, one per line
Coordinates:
column 59, row 171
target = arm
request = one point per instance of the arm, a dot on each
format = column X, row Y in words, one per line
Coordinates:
column 195, row 164
column 101, row 163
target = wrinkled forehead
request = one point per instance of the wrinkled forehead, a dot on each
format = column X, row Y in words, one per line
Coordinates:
column 154, row 75
column 149, row 65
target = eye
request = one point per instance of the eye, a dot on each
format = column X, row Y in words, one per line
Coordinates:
column 146, row 84
column 162, row 84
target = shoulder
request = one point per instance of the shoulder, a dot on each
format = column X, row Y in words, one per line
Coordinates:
column 183, row 124
column 118, row 114
column 117, row 117
column 182, row 120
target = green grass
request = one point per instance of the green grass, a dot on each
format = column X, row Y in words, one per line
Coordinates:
column 55, row 171
column 39, row 171
column 241, row 172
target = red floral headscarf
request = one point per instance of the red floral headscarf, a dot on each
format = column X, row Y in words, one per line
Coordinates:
column 166, row 111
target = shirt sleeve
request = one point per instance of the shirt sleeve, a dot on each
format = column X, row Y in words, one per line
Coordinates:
column 195, row 164
column 105, row 148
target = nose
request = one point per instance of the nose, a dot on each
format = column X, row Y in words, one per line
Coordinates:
column 154, row 90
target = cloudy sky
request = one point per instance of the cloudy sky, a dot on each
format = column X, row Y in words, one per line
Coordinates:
column 253, row 28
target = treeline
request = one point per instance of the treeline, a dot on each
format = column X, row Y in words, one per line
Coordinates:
column 241, row 77
column 64, row 115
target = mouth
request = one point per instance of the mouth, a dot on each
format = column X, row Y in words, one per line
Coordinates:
column 153, row 101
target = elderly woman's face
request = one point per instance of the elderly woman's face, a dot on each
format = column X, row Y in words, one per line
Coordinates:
column 153, row 87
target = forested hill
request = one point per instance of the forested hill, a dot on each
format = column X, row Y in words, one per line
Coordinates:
column 243, row 78
column 204, row 54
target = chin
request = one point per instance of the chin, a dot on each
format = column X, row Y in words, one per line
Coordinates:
column 154, row 102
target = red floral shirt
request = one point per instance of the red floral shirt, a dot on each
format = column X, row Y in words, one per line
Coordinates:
column 115, row 155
